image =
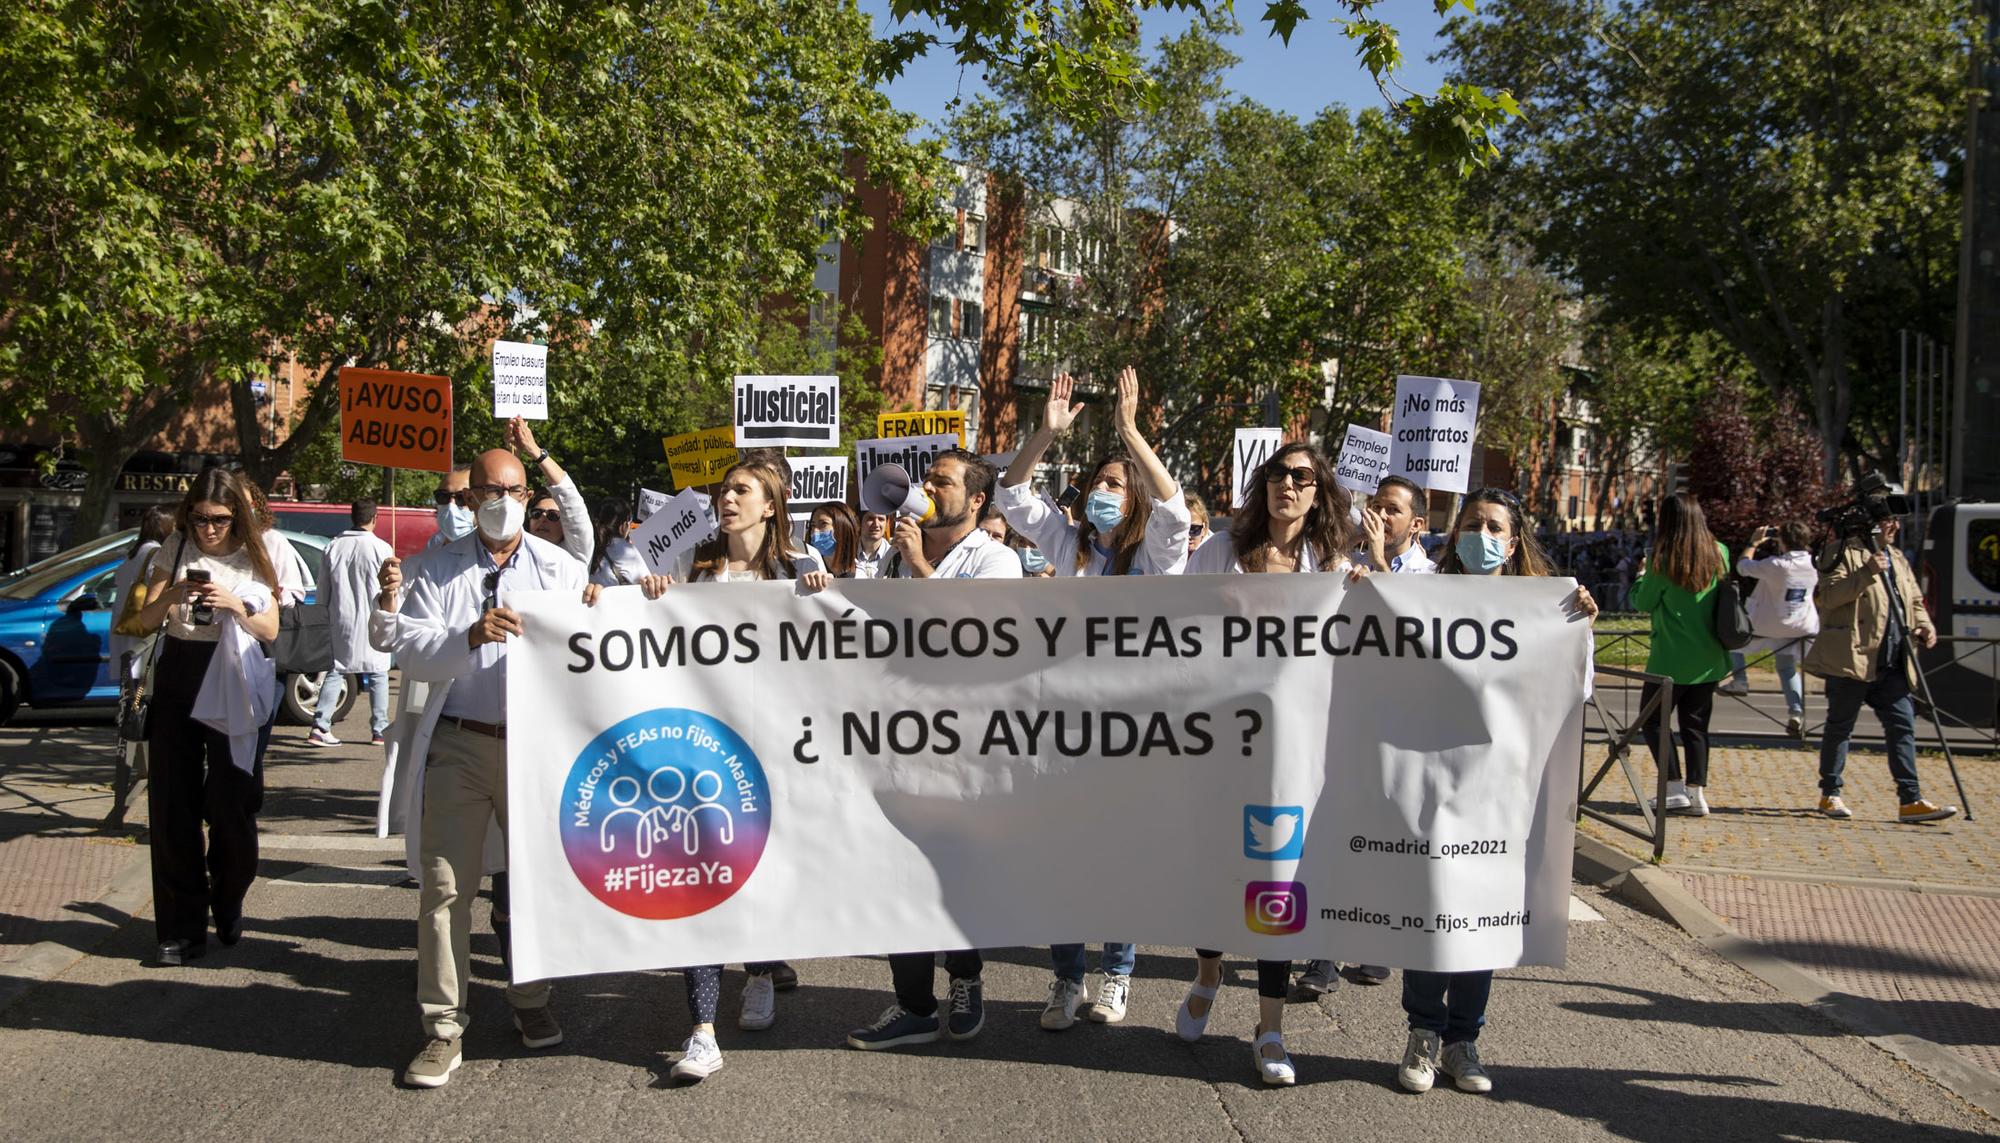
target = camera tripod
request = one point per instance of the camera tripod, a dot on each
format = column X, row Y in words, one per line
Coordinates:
column 1902, row 631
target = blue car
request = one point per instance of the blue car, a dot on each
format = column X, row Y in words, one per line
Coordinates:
column 55, row 629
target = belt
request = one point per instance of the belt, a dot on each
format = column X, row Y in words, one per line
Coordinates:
column 490, row 730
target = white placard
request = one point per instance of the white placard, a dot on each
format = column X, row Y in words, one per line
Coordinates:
column 743, row 772
column 816, row 480
column 520, row 380
column 649, row 502
column 1252, row 448
column 1364, row 460
column 774, row 411
column 913, row 453
column 1432, row 432
column 676, row 527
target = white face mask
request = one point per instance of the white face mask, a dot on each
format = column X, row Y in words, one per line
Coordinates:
column 500, row 520
column 454, row 520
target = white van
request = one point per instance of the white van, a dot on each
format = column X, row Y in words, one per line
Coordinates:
column 1960, row 570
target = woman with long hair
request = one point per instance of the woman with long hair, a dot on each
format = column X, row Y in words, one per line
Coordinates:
column 220, row 573
column 1298, row 524
column 1446, row 1010
column 1135, row 522
column 1677, row 585
column 614, row 562
column 835, row 533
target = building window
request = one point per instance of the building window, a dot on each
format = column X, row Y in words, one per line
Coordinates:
column 973, row 234
column 969, row 326
column 940, row 317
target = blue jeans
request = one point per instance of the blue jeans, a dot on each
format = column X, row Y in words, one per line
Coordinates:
column 1452, row 1004
column 1786, row 659
column 1115, row 960
column 333, row 688
column 1889, row 694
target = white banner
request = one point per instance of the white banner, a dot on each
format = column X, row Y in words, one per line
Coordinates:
column 913, row 453
column 815, row 480
column 1279, row 766
column 1433, row 427
column 1364, row 460
column 673, row 528
column 520, row 380
column 1252, row 448
column 775, row 411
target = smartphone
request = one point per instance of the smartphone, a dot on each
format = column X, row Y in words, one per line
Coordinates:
column 1068, row 497
column 200, row 614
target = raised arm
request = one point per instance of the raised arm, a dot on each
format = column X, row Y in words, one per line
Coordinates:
column 1159, row 482
column 1059, row 416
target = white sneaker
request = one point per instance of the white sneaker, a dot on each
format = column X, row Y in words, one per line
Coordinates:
column 1795, row 725
column 1109, row 1006
column 760, row 1004
column 700, row 1059
column 1677, row 798
column 1420, row 1061
column 1461, row 1063
column 1187, row 1025
column 1278, row 1072
column 1065, row 997
column 1697, row 802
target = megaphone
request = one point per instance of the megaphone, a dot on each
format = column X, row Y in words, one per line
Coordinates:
column 888, row 491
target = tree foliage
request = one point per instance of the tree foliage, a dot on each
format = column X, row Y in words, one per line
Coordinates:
column 1753, row 462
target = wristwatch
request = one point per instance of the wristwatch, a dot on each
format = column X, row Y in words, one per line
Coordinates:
column 542, row 458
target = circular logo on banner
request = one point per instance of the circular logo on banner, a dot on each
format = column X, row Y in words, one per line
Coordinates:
column 666, row 814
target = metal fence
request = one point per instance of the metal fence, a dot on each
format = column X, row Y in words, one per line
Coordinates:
column 1618, row 737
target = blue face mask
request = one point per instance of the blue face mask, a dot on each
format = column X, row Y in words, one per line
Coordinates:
column 1104, row 510
column 1481, row 552
column 455, row 520
column 821, row 541
column 1033, row 561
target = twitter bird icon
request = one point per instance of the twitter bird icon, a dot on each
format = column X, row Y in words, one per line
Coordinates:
column 1274, row 833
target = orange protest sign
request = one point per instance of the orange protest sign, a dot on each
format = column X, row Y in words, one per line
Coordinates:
column 402, row 420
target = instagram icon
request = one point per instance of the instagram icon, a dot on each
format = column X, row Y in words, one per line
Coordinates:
column 1274, row 908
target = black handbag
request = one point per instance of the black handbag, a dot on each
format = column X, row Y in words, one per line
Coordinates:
column 304, row 645
column 1732, row 617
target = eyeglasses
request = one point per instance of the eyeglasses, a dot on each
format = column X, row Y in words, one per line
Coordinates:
column 1302, row 476
column 219, row 520
column 443, row 496
column 550, row 514
column 487, row 493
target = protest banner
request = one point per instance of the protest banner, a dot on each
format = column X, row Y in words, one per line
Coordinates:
column 1433, row 427
column 1252, row 448
column 401, row 420
column 647, row 503
column 520, row 380
column 1364, row 459
column 784, row 410
column 913, row 453
column 672, row 530
column 1386, row 770
column 815, row 480
column 922, row 423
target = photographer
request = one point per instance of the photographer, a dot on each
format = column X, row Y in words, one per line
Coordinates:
column 1781, row 612
column 1870, row 612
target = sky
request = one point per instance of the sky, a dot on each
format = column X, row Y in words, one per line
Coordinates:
column 1318, row 68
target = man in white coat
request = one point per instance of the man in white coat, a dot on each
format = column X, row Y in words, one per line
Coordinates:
column 353, row 560
column 453, row 632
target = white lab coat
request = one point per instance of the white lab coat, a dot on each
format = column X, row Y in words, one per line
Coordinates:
column 441, row 601
column 353, row 560
column 1162, row 551
column 240, row 690
column 579, row 537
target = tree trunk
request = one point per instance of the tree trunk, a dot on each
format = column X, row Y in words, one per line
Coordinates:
column 1833, row 392
column 111, row 440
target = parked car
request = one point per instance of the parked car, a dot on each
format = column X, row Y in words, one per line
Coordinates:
column 55, row 627
column 405, row 529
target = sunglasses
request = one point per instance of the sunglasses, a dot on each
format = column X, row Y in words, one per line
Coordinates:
column 1197, row 529
column 1303, row 476
column 492, row 585
column 550, row 514
column 219, row 520
column 443, row 496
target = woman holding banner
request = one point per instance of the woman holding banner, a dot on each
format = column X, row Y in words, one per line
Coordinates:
column 1299, row 524
column 1135, row 522
column 1447, row 1009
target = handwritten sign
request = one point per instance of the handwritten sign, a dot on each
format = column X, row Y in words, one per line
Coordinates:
column 1433, row 429
column 675, row 528
column 520, row 380
column 648, row 503
column 778, row 410
column 923, row 423
column 816, row 480
column 401, row 420
column 698, row 458
column 1253, row 447
column 913, row 453
column 1364, row 459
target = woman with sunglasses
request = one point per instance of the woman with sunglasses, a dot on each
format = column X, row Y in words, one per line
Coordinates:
column 1447, row 1009
column 1134, row 523
column 557, row 514
column 1298, row 524
column 220, row 573
column 1198, row 527
column 834, row 533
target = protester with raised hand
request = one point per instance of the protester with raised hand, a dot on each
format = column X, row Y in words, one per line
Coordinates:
column 833, row 532
column 1446, row 1010
column 1298, row 524
column 1135, row 523
column 1678, row 588
column 570, row 529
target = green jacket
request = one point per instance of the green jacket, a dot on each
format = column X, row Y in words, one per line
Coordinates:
column 1684, row 645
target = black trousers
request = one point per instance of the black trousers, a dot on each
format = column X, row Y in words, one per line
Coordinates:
column 1274, row 977
column 1693, row 703
column 193, row 783
column 915, row 975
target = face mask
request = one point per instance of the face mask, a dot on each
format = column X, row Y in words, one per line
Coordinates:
column 454, row 520
column 1481, row 552
column 500, row 520
column 1033, row 561
column 822, row 542
column 1104, row 510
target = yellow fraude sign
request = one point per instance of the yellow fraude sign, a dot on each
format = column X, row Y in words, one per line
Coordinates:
column 923, row 423
column 697, row 458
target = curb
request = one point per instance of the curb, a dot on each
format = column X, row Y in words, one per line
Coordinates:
column 130, row 891
column 1655, row 891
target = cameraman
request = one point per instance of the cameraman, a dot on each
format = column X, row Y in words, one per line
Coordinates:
column 1865, row 657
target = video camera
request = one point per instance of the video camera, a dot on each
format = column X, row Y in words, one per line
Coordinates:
column 1874, row 501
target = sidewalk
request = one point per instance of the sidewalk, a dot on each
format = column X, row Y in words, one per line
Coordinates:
column 55, row 789
column 1905, row 915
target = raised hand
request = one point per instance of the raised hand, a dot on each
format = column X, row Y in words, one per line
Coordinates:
column 1128, row 400
column 1061, row 413
column 521, row 438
